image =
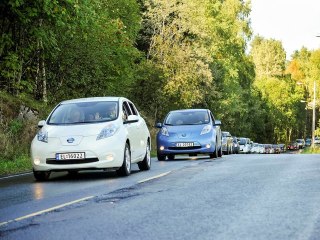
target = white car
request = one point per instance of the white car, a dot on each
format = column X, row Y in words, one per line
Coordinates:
column 255, row 148
column 91, row 133
column 261, row 148
column 245, row 145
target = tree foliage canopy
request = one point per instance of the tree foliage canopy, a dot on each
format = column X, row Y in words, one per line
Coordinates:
column 163, row 54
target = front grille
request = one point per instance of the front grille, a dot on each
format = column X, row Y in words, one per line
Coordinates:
column 71, row 161
column 184, row 148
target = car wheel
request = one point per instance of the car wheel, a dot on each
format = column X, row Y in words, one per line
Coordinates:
column 171, row 157
column 125, row 169
column 220, row 152
column 215, row 153
column 41, row 175
column 228, row 151
column 73, row 173
column 145, row 164
column 161, row 157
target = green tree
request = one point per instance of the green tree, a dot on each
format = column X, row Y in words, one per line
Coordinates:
column 268, row 56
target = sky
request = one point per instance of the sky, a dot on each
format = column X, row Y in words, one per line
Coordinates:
column 296, row 23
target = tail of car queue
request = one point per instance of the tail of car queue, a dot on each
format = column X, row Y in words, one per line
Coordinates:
column 99, row 133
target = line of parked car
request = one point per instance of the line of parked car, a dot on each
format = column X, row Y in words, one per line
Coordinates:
column 108, row 133
column 232, row 144
column 301, row 143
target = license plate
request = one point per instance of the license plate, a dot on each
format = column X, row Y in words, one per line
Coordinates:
column 184, row 144
column 66, row 156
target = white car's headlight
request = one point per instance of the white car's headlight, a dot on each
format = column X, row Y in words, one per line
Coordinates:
column 42, row 136
column 108, row 131
column 206, row 129
column 164, row 131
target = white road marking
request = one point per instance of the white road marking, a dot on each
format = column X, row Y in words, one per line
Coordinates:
column 151, row 178
column 47, row 210
column 16, row 175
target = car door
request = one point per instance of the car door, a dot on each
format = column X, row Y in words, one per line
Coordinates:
column 133, row 132
column 130, row 129
column 141, row 135
column 218, row 132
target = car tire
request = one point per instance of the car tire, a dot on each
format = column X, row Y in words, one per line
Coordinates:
column 125, row 169
column 220, row 152
column 227, row 152
column 161, row 157
column 145, row 164
column 171, row 157
column 73, row 173
column 41, row 175
column 215, row 153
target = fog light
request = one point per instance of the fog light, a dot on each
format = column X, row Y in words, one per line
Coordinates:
column 161, row 148
column 109, row 157
column 208, row 146
column 36, row 161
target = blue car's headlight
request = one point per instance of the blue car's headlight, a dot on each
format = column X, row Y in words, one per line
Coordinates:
column 164, row 131
column 42, row 136
column 108, row 131
column 206, row 129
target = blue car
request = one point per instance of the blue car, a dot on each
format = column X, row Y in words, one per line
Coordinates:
column 189, row 131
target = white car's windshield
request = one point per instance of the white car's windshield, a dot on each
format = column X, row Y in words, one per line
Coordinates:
column 84, row 112
column 243, row 141
column 187, row 118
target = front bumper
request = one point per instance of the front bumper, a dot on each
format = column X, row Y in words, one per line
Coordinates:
column 203, row 145
column 99, row 154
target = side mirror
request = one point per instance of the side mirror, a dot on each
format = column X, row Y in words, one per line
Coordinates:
column 217, row 123
column 41, row 123
column 132, row 119
column 158, row 125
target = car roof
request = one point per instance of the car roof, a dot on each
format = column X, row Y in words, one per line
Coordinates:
column 190, row 110
column 92, row 99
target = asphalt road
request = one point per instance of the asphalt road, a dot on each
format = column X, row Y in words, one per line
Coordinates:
column 233, row 197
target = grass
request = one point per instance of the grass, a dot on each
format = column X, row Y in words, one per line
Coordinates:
column 310, row 150
column 20, row 164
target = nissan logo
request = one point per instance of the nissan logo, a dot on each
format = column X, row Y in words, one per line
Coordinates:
column 70, row 140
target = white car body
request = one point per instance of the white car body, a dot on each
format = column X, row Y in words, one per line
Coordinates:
column 261, row 148
column 92, row 144
column 245, row 145
column 255, row 148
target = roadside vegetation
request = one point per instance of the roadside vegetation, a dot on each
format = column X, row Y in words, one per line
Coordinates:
column 161, row 54
column 310, row 150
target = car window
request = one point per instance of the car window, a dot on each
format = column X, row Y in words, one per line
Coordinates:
column 187, row 118
column 84, row 112
column 212, row 118
column 243, row 141
column 125, row 111
column 133, row 109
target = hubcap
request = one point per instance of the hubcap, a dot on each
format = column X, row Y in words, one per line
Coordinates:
column 148, row 155
column 128, row 160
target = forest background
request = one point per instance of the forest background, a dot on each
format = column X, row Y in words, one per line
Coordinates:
column 161, row 54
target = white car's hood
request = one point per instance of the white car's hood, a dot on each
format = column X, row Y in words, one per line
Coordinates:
column 73, row 134
column 78, row 129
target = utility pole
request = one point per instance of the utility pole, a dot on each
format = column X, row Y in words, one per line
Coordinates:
column 313, row 114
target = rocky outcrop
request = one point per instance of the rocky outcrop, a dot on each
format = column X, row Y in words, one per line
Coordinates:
column 28, row 114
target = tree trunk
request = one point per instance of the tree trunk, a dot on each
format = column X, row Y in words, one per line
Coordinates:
column 43, row 75
column 42, row 68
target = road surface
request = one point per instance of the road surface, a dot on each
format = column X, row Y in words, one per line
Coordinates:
column 234, row 197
